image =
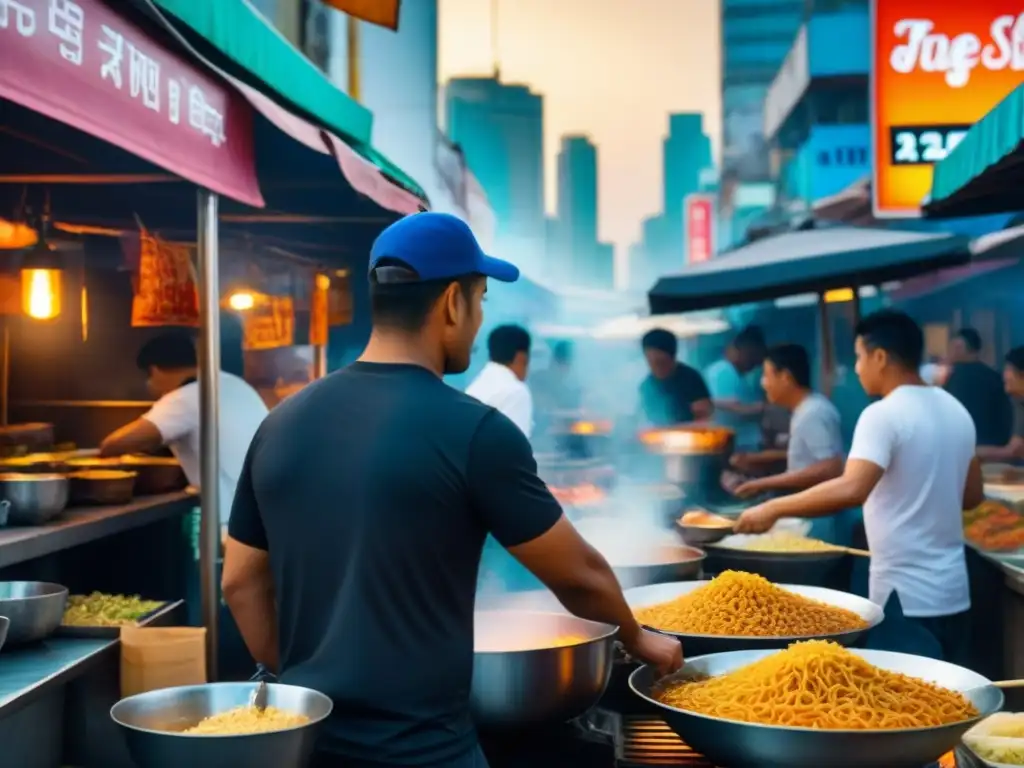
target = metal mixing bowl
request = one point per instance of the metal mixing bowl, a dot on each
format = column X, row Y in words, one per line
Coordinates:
column 153, row 722
column 697, row 645
column 35, row 609
column 35, row 499
column 515, row 688
column 748, row 745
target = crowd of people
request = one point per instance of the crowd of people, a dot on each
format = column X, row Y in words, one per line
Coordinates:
column 363, row 502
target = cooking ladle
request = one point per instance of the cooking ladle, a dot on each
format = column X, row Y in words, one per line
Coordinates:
column 258, row 698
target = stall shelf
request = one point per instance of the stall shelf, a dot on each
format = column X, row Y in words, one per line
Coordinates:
column 81, row 525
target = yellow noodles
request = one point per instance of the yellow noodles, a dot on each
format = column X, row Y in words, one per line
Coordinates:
column 819, row 684
column 785, row 542
column 744, row 604
column 242, row 720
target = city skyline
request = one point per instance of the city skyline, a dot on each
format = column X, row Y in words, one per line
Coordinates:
column 664, row 62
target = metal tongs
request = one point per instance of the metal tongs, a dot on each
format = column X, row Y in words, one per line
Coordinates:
column 258, row 698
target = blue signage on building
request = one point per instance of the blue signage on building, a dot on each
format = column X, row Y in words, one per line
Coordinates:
column 832, row 158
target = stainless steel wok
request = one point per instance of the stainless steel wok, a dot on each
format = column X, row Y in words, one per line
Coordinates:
column 152, row 723
column 697, row 645
column 520, row 681
column 748, row 745
column 640, row 554
column 814, row 569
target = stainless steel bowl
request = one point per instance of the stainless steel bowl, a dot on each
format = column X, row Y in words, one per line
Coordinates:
column 35, row 609
column 748, row 745
column 701, row 535
column 698, row 645
column 35, row 499
column 640, row 554
column 515, row 688
column 153, row 723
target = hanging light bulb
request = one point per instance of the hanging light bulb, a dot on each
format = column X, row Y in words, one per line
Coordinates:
column 240, row 301
column 41, row 283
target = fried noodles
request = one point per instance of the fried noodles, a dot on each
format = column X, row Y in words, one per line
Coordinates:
column 744, row 604
column 819, row 684
column 244, row 720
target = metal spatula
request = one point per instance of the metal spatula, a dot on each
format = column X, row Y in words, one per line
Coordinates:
column 258, row 698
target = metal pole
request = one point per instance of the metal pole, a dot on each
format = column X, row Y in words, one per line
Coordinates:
column 209, row 440
column 319, row 361
column 354, row 84
column 827, row 357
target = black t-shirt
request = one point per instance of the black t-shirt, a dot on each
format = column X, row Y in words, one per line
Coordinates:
column 981, row 391
column 373, row 490
column 670, row 401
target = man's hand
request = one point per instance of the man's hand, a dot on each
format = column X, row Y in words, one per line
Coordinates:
column 757, row 519
column 662, row 652
column 750, row 488
column 742, row 462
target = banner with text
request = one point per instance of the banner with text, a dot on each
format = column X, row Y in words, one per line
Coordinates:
column 936, row 69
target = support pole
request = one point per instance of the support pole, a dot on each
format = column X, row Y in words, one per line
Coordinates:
column 319, row 361
column 825, row 345
column 354, row 80
column 209, row 409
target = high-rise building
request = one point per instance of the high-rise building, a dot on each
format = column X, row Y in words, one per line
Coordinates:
column 756, row 35
column 686, row 159
column 576, row 233
column 500, row 130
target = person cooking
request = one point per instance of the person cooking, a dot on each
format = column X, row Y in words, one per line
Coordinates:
column 502, row 382
column 361, row 512
column 169, row 361
column 733, row 382
column 912, row 468
column 1013, row 382
column 814, row 452
column 979, row 388
column 673, row 393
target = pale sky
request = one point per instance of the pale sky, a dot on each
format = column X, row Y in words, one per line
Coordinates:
column 612, row 69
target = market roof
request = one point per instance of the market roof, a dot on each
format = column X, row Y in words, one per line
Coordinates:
column 236, row 30
column 983, row 173
column 810, row 260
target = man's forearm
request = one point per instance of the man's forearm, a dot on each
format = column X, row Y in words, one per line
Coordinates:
column 821, row 500
column 255, row 613
column 808, row 477
column 995, row 452
column 597, row 596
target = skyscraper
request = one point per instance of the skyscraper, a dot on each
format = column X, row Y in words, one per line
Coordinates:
column 577, row 208
column 500, row 130
column 686, row 156
column 756, row 35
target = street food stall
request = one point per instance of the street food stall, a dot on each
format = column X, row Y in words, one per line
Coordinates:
column 167, row 137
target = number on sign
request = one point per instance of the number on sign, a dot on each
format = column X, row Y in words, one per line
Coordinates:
column 24, row 18
column 932, row 147
column 953, row 140
column 66, row 20
column 906, row 149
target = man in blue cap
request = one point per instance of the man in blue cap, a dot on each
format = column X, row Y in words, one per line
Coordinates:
column 361, row 512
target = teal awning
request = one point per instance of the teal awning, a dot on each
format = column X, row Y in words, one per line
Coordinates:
column 984, row 173
column 273, row 65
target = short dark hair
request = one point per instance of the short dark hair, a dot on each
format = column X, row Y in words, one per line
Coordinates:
column 562, row 352
column 168, row 351
column 970, row 337
column 897, row 333
column 506, row 341
column 793, row 359
column 751, row 337
column 661, row 340
column 1015, row 357
column 404, row 305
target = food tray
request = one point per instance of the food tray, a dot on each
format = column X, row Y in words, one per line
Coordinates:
column 158, row 617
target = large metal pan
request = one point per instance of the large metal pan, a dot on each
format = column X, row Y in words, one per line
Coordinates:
column 640, row 556
column 520, row 681
column 153, row 721
column 814, row 569
column 748, row 745
column 698, row 645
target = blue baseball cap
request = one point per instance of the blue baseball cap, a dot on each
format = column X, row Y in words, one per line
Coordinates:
column 438, row 246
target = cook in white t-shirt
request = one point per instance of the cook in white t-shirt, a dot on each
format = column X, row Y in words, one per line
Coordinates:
column 170, row 364
column 912, row 467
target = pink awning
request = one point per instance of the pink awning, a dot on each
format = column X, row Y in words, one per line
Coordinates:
column 363, row 175
column 84, row 64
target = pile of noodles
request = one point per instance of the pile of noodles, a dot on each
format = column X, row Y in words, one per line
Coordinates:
column 783, row 541
column 819, row 684
column 744, row 604
column 245, row 720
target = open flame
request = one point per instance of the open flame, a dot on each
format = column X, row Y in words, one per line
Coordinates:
column 41, row 293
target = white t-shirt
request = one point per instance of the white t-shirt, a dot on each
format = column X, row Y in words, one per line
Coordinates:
column 176, row 416
column 815, row 433
column 924, row 440
column 499, row 388
column 727, row 383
